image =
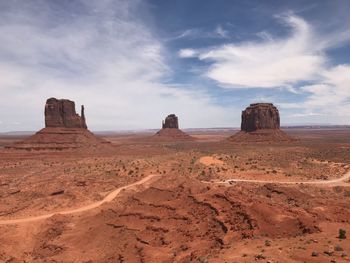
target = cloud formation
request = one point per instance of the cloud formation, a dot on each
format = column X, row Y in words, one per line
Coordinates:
column 284, row 63
column 266, row 64
column 97, row 53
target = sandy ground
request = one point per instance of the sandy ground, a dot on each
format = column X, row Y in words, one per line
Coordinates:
column 201, row 201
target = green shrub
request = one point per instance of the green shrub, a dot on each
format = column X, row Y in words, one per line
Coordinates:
column 342, row 234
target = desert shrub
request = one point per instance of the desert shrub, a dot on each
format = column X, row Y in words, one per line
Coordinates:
column 337, row 189
column 342, row 234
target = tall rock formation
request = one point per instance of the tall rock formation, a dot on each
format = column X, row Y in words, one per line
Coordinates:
column 61, row 113
column 64, row 130
column 170, row 130
column 260, row 116
column 260, row 123
column 171, row 122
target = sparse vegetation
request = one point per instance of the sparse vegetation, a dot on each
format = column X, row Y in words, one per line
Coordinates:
column 342, row 234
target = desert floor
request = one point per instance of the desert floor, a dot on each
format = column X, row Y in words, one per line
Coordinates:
column 208, row 200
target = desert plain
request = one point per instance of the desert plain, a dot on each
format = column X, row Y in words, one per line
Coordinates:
column 202, row 200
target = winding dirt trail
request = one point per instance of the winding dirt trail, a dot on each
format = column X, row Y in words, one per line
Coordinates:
column 117, row 191
column 337, row 181
column 106, row 199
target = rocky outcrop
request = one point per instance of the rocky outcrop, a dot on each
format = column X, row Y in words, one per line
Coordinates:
column 260, row 116
column 60, row 139
column 260, row 123
column 170, row 130
column 65, row 130
column 61, row 113
column 171, row 122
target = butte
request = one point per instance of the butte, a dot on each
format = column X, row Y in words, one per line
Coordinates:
column 260, row 123
column 170, row 130
column 64, row 130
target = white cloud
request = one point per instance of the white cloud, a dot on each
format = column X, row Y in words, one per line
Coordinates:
column 284, row 63
column 221, row 31
column 107, row 59
column 187, row 53
column 188, row 33
column 269, row 63
column 201, row 33
column 329, row 98
column 334, row 89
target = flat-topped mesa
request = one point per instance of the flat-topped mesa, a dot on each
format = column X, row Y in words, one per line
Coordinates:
column 260, row 116
column 260, row 124
column 171, row 122
column 61, row 113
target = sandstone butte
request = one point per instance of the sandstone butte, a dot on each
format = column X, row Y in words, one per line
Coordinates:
column 61, row 113
column 170, row 130
column 260, row 122
column 64, row 130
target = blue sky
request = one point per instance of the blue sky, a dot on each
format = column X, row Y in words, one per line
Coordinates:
column 132, row 62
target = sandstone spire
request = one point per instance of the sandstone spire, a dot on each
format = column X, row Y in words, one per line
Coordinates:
column 61, row 113
column 64, row 130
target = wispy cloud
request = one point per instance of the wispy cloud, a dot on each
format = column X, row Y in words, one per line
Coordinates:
column 284, row 62
column 96, row 53
column 269, row 63
column 187, row 53
column 200, row 33
column 221, row 31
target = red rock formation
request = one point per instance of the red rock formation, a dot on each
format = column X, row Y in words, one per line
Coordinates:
column 170, row 130
column 59, row 139
column 61, row 113
column 172, row 134
column 260, row 123
column 260, row 116
column 65, row 130
column 171, row 122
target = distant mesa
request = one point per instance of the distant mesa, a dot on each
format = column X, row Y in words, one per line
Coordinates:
column 171, row 122
column 64, row 130
column 170, row 130
column 260, row 123
column 61, row 113
column 260, row 116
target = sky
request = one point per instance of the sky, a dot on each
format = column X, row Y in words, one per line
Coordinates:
column 132, row 62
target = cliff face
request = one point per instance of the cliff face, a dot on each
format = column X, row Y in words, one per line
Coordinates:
column 260, row 123
column 65, row 130
column 170, row 130
column 61, row 113
column 260, row 116
column 171, row 122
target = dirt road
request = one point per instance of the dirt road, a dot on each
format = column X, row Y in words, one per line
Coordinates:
column 106, row 199
column 117, row 191
column 337, row 181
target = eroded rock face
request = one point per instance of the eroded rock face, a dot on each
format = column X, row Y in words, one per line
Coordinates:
column 260, row 116
column 61, row 113
column 171, row 121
